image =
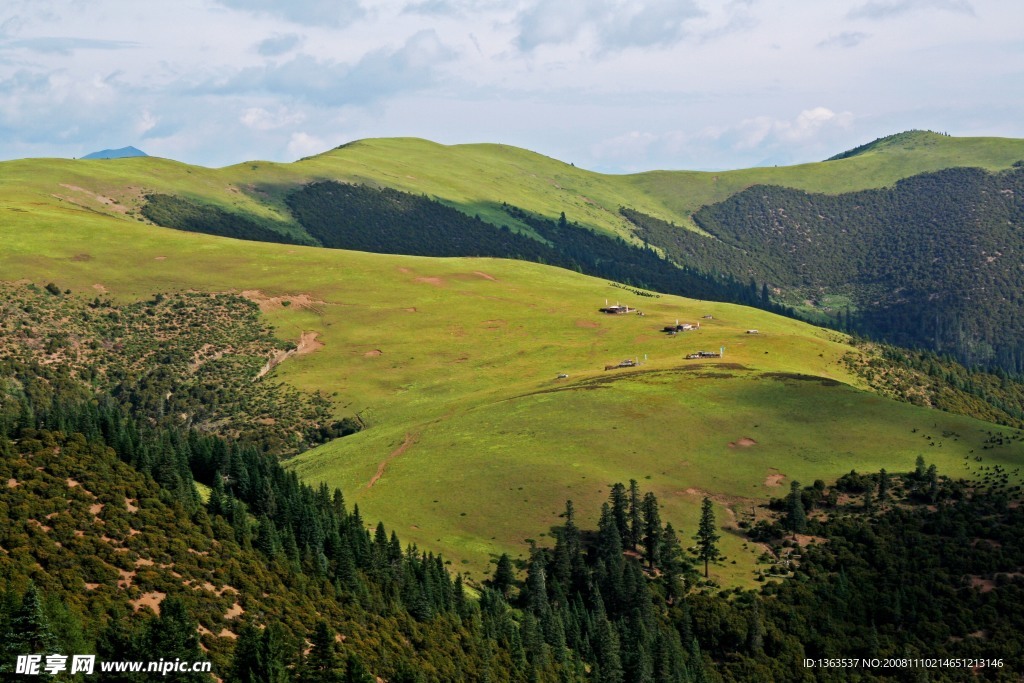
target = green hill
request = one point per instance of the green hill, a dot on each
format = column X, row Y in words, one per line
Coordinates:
column 488, row 391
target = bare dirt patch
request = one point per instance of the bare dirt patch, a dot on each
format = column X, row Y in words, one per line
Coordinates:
column 82, row 257
column 985, row 585
column 143, row 562
column 485, row 276
column 13, row 483
column 373, row 353
column 411, row 309
column 234, row 611
column 745, row 442
column 100, row 288
column 774, row 479
column 271, row 303
column 129, row 505
column 101, row 199
column 410, row 439
column 308, row 343
column 159, row 258
column 151, row 600
column 226, row 633
column 96, row 509
column 803, row 540
column 436, row 281
column 404, row 271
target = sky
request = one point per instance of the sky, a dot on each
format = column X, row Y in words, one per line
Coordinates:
column 616, row 86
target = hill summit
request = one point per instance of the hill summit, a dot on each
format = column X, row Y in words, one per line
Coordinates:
column 121, row 153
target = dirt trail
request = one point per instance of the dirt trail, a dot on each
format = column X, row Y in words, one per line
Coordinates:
column 308, row 343
column 410, row 439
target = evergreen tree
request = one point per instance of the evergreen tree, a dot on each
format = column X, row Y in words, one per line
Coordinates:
column 652, row 529
column 504, row 576
column 796, row 520
column 173, row 635
column 883, row 487
column 635, row 522
column 30, row 629
column 707, row 539
column 322, row 664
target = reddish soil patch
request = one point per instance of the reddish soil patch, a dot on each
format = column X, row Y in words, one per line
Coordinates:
column 985, row 585
column 409, row 441
column 774, row 479
column 745, row 442
column 404, row 270
column 436, row 281
column 485, row 276
column 373, row 353
column 151, row 600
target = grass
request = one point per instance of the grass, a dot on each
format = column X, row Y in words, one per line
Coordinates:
column 457, row 359
column 478, row 178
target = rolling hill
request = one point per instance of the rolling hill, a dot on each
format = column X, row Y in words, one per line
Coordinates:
column 488, row 391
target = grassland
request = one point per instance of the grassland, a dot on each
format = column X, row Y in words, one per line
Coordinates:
column 472, row 443
column 477, row 178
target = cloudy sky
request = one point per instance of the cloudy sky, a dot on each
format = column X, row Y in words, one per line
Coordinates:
column 611, row 85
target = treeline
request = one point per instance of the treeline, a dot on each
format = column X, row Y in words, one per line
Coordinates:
column 907, row 565
column 171, row 211
column 928, row 379
column 392, row 222
column 182, row 359
column 315, row 563
column 933, row 262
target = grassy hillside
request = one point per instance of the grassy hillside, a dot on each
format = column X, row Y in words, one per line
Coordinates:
column 452, row 364
column 478, row 178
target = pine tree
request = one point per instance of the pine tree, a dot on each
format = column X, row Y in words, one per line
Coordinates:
column 652, row 529
column 883, row 486
column 797, row 517
column 30, row 629
column 707, row 539
column 173, row 635
column 322, row 665
column 635, row 523
column 504, row 576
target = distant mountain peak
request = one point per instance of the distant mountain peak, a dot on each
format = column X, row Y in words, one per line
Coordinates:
column 122, row 153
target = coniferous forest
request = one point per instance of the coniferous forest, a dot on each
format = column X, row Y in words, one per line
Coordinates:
column 139, row 537
column 932, row 262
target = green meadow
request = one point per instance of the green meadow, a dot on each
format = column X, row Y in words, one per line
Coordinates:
column 477, row 179
column 473, row 442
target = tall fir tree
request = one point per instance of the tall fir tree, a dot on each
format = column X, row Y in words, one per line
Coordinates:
column 707, row 538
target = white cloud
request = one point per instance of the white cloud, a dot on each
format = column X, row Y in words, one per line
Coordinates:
column 613, row 24
column 260, row 119
column 884, row 9
column 845, row 39
column 303, row 144
column 305, row 12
